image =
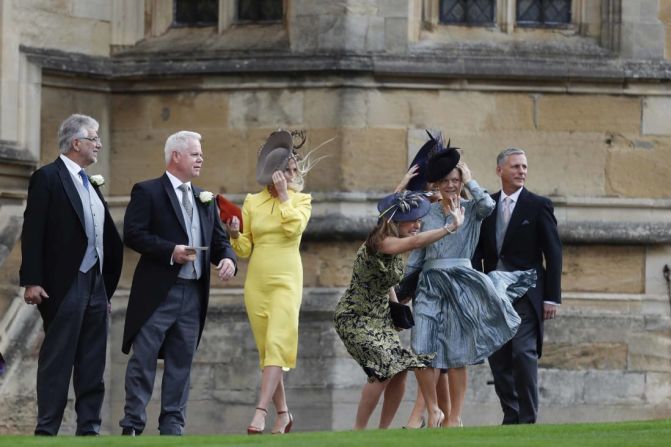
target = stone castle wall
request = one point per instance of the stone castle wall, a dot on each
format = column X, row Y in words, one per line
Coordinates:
column 591, row 105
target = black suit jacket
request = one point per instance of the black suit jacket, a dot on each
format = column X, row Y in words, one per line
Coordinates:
column 53, row 240
column 531, row 242
column 153, row 225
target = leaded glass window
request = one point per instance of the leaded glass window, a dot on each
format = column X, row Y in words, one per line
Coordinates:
column 543, row 12
column 260, row 10
column 196, row 12
column 475, row 12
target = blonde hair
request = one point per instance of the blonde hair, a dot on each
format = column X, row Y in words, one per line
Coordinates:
column 305, row 164
column 464, row 193
column 298, row 182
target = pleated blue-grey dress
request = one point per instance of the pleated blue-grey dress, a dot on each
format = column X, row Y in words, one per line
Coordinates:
column 461, row 314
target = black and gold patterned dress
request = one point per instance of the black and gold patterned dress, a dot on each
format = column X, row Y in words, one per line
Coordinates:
column 363, row 322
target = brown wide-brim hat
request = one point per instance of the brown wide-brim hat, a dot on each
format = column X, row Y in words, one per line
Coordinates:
column 441, row 164
column 274, row 156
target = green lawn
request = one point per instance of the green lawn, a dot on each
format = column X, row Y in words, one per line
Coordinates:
column 649, row 433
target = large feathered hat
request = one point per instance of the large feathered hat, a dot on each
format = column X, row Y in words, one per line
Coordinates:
column 273, row 156
column 441, row 163
column 403, row 206
column 432, row 147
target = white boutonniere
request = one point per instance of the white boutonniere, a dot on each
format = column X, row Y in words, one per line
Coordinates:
column 205, row 197
column 97, row 180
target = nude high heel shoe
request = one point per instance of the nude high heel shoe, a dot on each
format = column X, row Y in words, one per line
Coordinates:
column 439, row 423
column 422, row 424
column 286, row 428
column 252, row 430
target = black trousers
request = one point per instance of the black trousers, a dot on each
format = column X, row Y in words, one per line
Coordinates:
column 74, row 345
column 515, row 369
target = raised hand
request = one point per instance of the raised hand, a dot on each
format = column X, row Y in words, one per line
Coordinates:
column 457, row 212
column 280, row 183
column 412, row 172
column 466, row 175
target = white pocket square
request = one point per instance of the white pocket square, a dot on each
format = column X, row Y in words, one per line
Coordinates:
column 525, row 222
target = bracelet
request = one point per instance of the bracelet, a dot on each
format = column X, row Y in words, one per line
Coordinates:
column 448, row 230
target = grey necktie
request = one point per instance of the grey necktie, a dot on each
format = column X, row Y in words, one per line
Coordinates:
column 507, row 201
column 186, row 203
column 502, row 224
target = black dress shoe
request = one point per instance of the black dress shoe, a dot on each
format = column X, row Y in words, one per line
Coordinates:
column 129, row 431
column 88, row 433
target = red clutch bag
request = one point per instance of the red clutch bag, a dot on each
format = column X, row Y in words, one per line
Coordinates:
column 228, row 209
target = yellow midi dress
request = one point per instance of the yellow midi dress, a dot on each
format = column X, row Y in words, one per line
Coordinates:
column 271, row 237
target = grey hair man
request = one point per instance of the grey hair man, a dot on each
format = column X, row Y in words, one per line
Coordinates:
column 175, row 227
column 521, row 234
column 71, row 263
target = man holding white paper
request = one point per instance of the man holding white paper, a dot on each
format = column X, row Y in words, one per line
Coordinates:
column 175, row 227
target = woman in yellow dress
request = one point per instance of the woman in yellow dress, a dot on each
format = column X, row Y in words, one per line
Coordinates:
column 273, row 222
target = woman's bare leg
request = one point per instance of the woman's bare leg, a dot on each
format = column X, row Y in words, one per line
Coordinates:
column 280, row 402
column 458, row 381
column 270, row 378
column 370, row 395
column 426, row 378
column 443, row 393
column 393, row 395
column 416, row 417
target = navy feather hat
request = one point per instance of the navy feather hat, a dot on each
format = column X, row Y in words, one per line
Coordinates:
column 442, row 163
column 429, row 149
column 403, row 206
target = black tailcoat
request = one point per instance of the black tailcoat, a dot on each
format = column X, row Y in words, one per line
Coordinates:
column 53, row 240
column 153, row 225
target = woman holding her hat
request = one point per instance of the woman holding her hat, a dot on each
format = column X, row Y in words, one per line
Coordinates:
column 362, row 317
column 461, row 314
column 274, row 221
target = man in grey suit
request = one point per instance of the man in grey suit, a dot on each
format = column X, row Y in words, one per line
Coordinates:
column 166, row 218
column 70, row 267
column 521, row 234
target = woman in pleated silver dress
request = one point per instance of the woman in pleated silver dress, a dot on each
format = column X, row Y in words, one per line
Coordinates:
column 460, row 314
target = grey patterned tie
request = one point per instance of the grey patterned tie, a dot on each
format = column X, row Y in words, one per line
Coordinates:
column 186, row 203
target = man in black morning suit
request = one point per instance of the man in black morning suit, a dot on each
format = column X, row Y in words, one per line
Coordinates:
column 70, row 267
column 166, row 218
column 521, row 234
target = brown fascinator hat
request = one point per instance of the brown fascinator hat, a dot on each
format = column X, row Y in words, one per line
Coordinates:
column 274, row 156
